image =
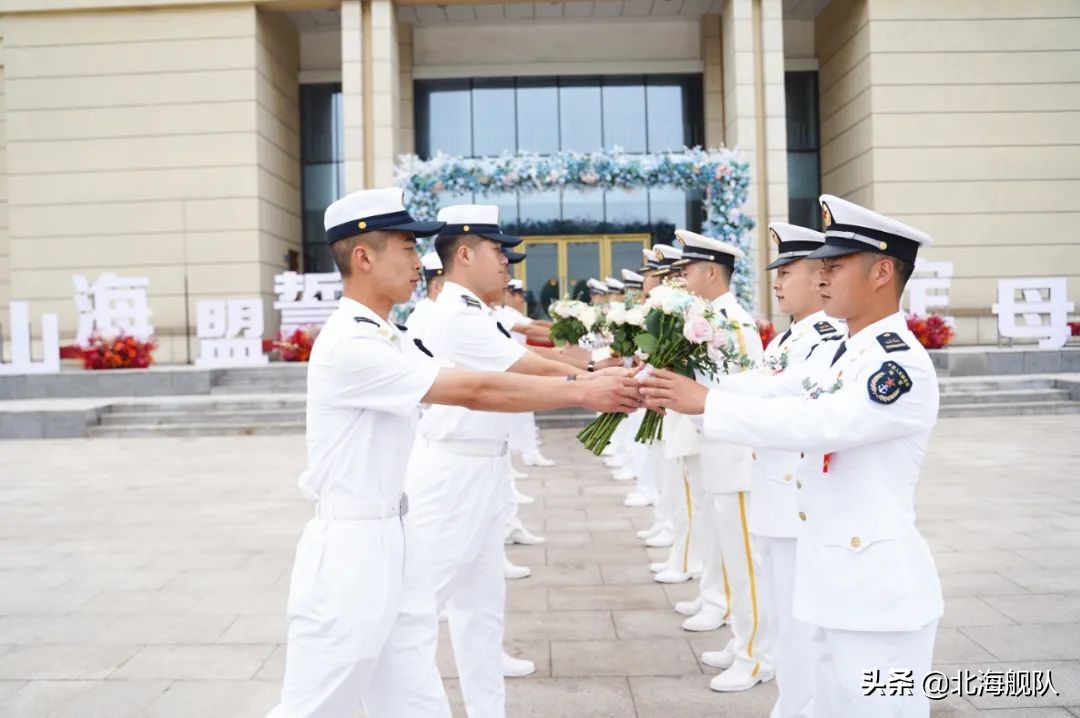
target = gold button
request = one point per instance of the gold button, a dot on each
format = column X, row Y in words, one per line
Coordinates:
column 787, row 477
column 363, row 225
column 466, row 228
column 802, row 516
column 856, row 542
column 884, row 246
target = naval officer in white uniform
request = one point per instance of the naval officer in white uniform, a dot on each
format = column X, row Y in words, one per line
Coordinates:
column 865, row 577
column 361, row 611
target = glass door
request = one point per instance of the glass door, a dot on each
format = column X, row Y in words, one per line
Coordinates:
column 560, row 266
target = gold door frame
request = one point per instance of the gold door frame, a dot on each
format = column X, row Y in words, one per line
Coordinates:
column 561, row 242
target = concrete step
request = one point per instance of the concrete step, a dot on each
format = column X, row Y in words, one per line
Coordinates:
column 210, row 429
column 254, row 404
column 985, row 384
column 271, row 388
column 1019, row 408
column 1007, row 396
column 187, row 418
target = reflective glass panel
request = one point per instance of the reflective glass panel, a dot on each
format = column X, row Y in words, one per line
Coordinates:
column 579, row 116
column 624, row 116
column 538, row 116
column 494, row 129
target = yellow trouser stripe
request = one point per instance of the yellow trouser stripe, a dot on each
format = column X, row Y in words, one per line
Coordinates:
column 750, row 570
column 689, row 521
column 727, row 589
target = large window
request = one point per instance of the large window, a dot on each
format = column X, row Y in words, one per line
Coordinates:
column 322, row 166
column 803, row 149
column 638, row 113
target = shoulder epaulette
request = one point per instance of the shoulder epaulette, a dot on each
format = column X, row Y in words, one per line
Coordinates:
column 470, row 302
column 891, row 342
column 365, row 320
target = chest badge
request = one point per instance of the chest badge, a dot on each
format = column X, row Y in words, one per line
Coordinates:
column 888, row 384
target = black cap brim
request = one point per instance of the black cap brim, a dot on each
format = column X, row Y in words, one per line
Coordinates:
column 782, row 261
column 505, row 239
column 513, row 257
column 837, row 250
column 420, row 229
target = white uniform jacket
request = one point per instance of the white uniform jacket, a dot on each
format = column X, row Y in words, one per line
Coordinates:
column 727, row 464
column 774, row 511
column 862, row 426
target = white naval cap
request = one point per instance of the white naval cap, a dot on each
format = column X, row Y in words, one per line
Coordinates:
column 631, row 279
column 666, row 256
column 478, row 219
column 793, row 242
column 515, row 285
column 368, row 210
column 614, row 285
column 850, row 228
column 652, row 262
column 699, row 248
column 432, row 265
column 597, row 286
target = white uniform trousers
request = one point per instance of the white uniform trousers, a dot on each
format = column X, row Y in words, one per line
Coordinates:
column 792, row 639
column 713, row 589
column 666, row 478
column 523, row 434
column 732, row 560
column 361, row 611
column 687, row 549
column 460, row 514
column 843, row 657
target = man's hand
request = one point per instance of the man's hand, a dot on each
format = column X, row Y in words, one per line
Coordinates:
column 664, row 389
column 608, row 363
column 615, row 391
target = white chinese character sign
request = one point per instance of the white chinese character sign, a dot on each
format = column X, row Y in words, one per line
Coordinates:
column 230, row 332
column 112, row 306
column 306, row 299
column 929, row 288
column 1034, row 309
column 18, row 359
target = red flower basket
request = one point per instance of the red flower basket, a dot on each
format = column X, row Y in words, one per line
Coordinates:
column 296, row 346
column 766, row 330
column 932, row 331
column 122, row 352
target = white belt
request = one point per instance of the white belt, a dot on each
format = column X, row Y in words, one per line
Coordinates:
column 349, row 510
column 470, row 448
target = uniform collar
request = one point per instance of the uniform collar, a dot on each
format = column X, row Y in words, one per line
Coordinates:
column 810, row 320
column 353, row 308
column 454, row 291
column 893, row 323
column 725, row 300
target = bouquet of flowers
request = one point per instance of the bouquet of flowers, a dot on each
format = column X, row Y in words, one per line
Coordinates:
column 573, row 320
column 296, row 346
column 624, row 323
column 121, row 352
column 932, row 331
column 683, row 333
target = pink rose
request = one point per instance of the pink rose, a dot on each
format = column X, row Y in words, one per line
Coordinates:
column 720, row 339
column 697, row 330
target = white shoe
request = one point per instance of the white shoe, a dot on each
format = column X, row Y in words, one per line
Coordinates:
column 651, row 531
column 709, row 618
column 636, row 500
column 517, row 667
column 517, row 475
column 623, row 474
column 609, row 450
column 689, row 608
column 524, row 537
column 658, row 566
column 512, row 571
column 661, row 539
column 523, row 498
column 536, row 460
column 613, row 462
column 722, row 660
column 740, row 678
column 671, row 576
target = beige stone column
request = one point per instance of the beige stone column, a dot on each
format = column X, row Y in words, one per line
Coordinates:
column 385, row 92
column 713, row 80
column 752, row 59
column 352, row 93
column 406, row 122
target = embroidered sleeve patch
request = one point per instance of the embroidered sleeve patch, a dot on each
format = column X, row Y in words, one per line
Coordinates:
column 420, row 345
column 888, row 384
column 891, row 342
column 365, row 320
column 470, row 302
column 823, row 328
column 503, row 329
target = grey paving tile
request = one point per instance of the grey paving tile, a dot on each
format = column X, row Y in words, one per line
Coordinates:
column 566, row 574
column 560, row 625
column 196, row 662
column 559, row 697
column 1041, row 608
column 215, row 699
column 972, row 611
column 690, row 697
column 606, row 597
column 1028, row 642
column 83, row 699
column 650, row 623
column 656, row 657
column 66, row 662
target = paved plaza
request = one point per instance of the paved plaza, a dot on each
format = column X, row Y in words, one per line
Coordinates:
column 147, row 577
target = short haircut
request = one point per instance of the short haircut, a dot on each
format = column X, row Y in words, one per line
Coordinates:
column 727, row 271
column 902, row 269
column 447, row 249
column 343, row 248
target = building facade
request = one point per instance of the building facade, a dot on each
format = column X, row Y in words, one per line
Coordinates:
column 197, row 143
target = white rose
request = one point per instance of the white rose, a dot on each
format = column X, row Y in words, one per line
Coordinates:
column 636, row 316
column 587, row 317
column 574, row 309
column 616, row 313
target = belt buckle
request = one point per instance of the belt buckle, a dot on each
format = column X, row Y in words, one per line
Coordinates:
column 403, row 505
